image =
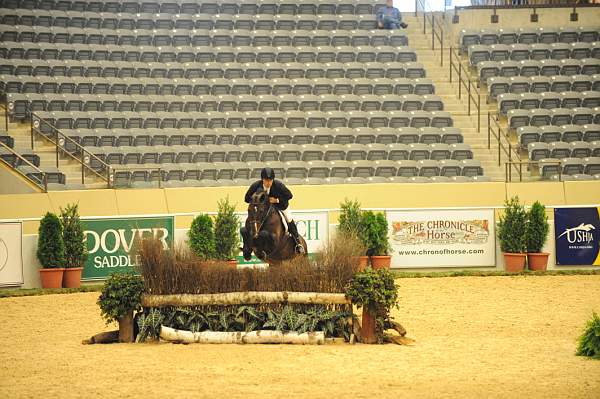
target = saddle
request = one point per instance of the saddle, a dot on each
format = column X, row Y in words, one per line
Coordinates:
column 285, row 223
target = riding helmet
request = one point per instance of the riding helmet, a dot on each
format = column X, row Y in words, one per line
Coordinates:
column 267, row 173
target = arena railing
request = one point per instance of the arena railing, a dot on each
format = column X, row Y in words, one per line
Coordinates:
column 158, row 169
column 437, row 30
column 501, row 137
column 42, row 183
column 4, row 108
column 80, row 155
column 518, row 165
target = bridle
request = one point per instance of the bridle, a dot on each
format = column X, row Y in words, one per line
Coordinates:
column 258, row 227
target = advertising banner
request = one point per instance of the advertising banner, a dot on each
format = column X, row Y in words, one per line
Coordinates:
column 432, row 238
column 576, row 234
column 11, row 254
column 110, row 242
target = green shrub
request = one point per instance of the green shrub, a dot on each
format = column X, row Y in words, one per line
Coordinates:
column 537, row 228
column 201, row 237
column 373, row 289
column 122, row 293
column 227, row 239
column 75, row 247
column 512, row 227
column 374, row 233
column 589, row 341
column 350, row 218
column 50, row 246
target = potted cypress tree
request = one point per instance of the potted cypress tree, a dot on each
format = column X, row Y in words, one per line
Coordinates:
column 201, row 237
column 376, row 292
column 227, row 239
column 121, row 296
column 351, row 225
column 537, row 233
column 51, row 251
column 512, row 235
column 75, row 248
column 375, row 233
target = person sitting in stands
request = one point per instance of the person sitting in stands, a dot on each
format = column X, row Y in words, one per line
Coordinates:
column 389, row 17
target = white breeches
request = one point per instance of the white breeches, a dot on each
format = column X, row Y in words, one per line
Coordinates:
column 288, row 215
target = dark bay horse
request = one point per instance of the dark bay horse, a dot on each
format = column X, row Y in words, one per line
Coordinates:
column 264, row 232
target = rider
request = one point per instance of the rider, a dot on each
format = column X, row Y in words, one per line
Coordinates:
column 279, row 196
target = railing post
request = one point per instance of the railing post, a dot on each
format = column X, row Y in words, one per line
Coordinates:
column 432, row 31
column 469, row 99
column 31, row 128
column 459, row 79
column 45, row 182
column 499, row 150
column 82, row 167
column 442, row 49
column 416, row 7
column 520, row 171
column 56, row 144
column 450, row 62
column 6, row 115
column 478, row 112
column 489, row 133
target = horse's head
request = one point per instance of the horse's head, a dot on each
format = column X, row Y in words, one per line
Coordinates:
column 257, row 210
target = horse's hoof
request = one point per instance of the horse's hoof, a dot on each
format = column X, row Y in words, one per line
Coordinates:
column 300, row 249
column 247, row 255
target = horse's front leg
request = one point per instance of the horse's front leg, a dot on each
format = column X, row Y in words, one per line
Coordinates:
column 247, row 243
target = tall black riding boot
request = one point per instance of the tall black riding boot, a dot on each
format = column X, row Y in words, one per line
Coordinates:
column 294, row 233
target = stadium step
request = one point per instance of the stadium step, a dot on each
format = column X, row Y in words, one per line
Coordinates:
column 440, row 75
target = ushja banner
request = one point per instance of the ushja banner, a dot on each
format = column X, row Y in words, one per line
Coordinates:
column 445, row 238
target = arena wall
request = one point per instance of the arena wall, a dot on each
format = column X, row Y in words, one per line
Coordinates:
column 185, row 202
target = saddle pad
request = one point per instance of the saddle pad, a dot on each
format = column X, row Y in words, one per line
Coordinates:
column 285, row 224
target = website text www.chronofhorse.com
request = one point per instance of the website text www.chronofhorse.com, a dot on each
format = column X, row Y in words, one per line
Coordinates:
column 442, row 252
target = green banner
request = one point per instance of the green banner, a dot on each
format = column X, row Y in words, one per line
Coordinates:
column 110, row 242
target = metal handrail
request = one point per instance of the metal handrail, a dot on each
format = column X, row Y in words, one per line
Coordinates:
column 43, row 184
column 508, row 169
column 4, row 105
column 548, row 4
column 465, row 81
column 432, row 21
column 81, row 155
column 504, row 144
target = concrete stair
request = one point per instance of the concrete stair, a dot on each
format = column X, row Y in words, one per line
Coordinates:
column 21, row 133
column 440, row 75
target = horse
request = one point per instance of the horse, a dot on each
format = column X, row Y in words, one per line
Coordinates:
column 264, row 232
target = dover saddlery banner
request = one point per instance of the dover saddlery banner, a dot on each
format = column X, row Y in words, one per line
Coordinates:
column 313, row 226
column 110, row 242
column 11, row 255
column 439, row 238
column 577, row 235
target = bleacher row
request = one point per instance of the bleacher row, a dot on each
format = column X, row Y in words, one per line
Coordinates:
column 20, row 105
column 274, row 136
column 555, row 116
column 233, row 119
column 211, row 7
column 182, row 54
column 129, row 21
column 542, row 84
column 201, row 37
column 548, row 100
column 537, row 52
column 211, row 70
column 529, row 68
column 545, row 35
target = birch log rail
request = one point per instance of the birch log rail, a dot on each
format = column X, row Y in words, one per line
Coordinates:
column 251, row 337
column 246, row 298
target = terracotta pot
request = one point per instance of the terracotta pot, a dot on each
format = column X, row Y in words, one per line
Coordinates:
column 537, row 261
column 367, row 328
column 232, row 263
column 381, row 262
column 126, row 328
column 52, row 278
column 514, row 263
column 72, row 277
column 363, row 262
